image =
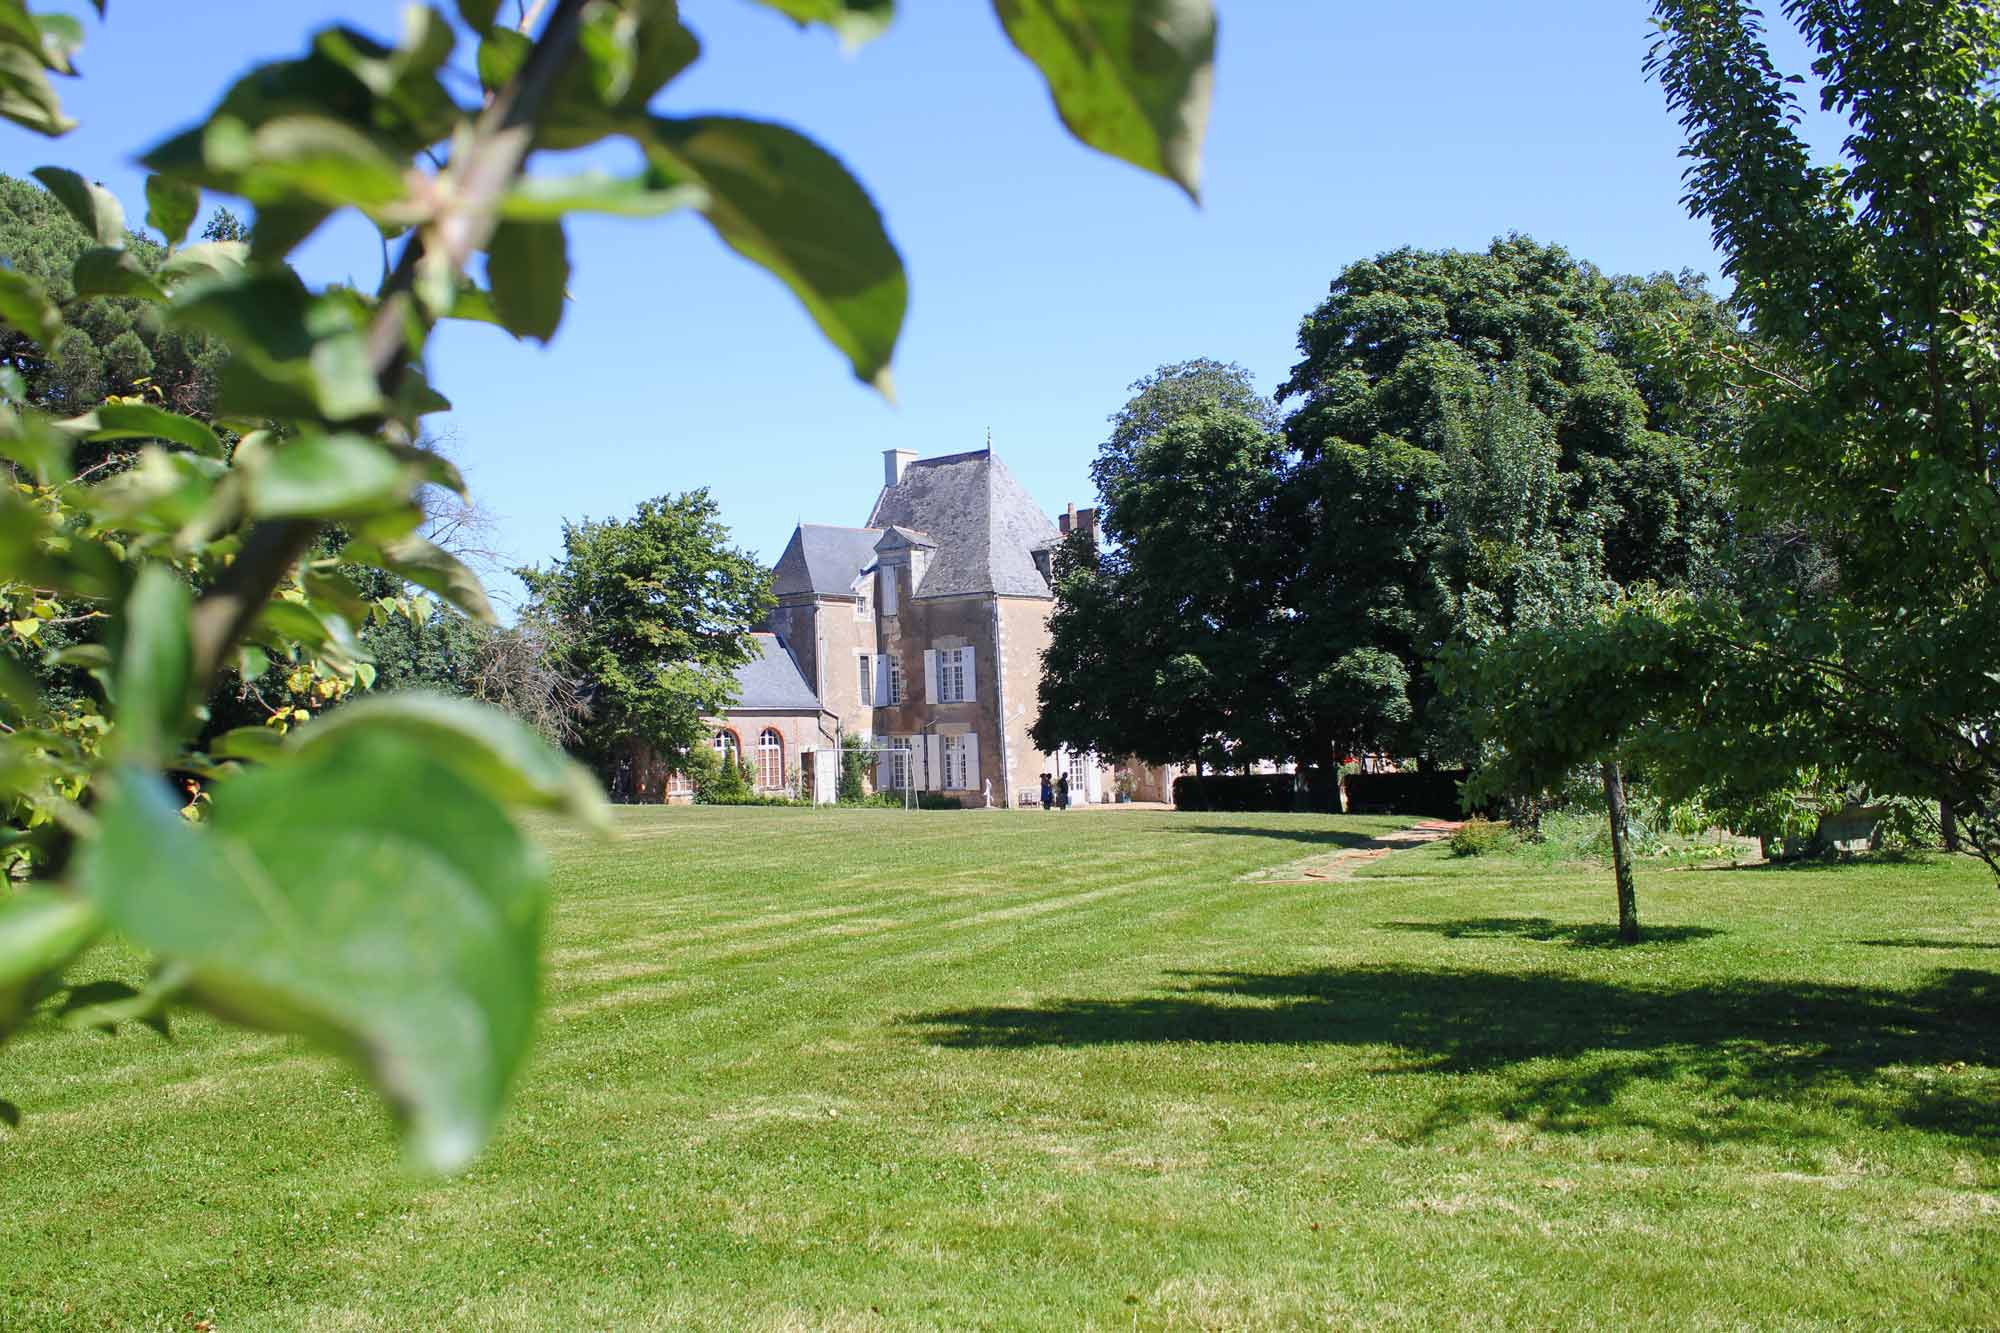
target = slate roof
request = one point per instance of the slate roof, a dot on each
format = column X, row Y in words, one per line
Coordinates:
column 984, row 523
column 824, row 560
column 771, row 679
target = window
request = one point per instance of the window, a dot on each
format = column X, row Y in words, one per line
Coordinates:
column 1079, row 774
column 895, row 681
column 728, row 745
column 862, row 608
column 898, row 762
column 954, row 665
column 957, row 764
column 770, row 760
column 864, row 664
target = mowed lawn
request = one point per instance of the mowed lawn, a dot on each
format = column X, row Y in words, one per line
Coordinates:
column 1020, row 1070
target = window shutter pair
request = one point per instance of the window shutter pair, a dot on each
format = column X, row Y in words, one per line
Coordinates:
column 937, row 663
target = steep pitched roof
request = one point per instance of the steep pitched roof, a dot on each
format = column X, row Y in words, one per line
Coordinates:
column 772, row 679
column 985, row 525
column 823, row 560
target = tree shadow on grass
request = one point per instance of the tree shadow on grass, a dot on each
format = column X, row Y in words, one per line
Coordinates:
column 1544, row 931
column 1914, row 942
column 1331, row 838
column 1746, row 1060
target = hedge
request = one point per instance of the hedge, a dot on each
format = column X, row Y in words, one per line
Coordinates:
column 1434, row 794
column 1235, row 791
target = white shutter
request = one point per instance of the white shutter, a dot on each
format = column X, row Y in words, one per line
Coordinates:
column 933, row 762
column 882, row 699
column 971, row 744
column 886, row 593
column 971, row 674
column 885, row 772
column 1093, row 779
column 931, row 694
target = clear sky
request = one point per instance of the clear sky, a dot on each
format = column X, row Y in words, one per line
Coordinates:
column 1044, row 278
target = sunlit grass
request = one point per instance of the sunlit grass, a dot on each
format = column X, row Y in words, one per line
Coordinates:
column 1030, row 1071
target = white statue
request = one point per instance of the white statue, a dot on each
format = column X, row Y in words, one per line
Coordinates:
column 989, row 793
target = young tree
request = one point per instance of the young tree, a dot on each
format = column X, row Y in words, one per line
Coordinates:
column 656, row 612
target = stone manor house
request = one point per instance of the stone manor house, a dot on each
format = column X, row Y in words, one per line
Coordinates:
column 920, row 632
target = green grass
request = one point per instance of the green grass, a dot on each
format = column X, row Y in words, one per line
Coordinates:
column 1033, row 1071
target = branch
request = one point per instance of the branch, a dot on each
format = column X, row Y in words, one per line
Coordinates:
column 500, row 142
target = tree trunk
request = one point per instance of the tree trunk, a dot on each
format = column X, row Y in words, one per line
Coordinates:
column 1621, row 855
column 1948, row 825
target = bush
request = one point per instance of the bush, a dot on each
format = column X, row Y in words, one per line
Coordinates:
column 752, row 798
column 1235, row 792
column 932, row 801
column 1477, row 837
column 1433, row 794
column 853, row 771
column 720, row 782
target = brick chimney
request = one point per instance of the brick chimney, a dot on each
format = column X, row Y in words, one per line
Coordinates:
column 893, row 463
column 1086, row 522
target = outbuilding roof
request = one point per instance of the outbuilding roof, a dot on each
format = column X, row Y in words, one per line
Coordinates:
column 771, row 679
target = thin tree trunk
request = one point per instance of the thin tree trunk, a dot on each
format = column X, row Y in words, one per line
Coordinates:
column 1621, row 855
column 1948, row 825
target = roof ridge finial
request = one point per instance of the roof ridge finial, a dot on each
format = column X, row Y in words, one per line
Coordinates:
column 989, row 439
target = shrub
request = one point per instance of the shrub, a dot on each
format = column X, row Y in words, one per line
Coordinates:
column 1477, row 837
column 933, row 801
column 853, row 771
column 722, row 782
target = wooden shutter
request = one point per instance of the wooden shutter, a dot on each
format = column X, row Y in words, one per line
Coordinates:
column 972, row 776
column 933, row 762
column 882, row 699
column 971, row 674
column 931, row 694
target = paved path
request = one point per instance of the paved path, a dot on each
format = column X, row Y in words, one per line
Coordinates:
column 1342, row 863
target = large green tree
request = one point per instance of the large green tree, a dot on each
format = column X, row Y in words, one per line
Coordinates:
column 656, row 611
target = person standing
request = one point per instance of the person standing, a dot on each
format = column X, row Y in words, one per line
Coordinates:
column 1048, row 793
column 1062, row 792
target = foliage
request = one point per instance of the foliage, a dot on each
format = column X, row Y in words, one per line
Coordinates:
column 1477, row 837
column 1235, row 791
column 655, row 613
column 720, row 780
column 853, row 770
column 360, row 880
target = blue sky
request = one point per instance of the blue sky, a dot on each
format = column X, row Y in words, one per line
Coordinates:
column 1043, row 278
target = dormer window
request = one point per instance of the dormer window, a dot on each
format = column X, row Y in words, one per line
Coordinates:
column 1044, row 564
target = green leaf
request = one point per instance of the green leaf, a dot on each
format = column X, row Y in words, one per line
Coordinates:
column 25, row 95
column 314, row 158
column 154, row 665
column 113, row 271
column 326, row 476
column 260, row 744
column 527, row 265
column 163, row 493
column 171, row 206
column 362, row 894
column 487, row 748
column 61, row 39
column 856, row 21
column 95, row 208
column 296, row 354
column 40, row 932
column 783, row 202
column 479, row 14
column 142, row 421
column 26, row 305
column 549, row 199
column 430, row 567
column 1132, row 78
column 501, row 54
column 204, row 259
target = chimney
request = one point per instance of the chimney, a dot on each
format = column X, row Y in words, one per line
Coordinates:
column 893, row 463
column 1086, row 522
column 1066, row 523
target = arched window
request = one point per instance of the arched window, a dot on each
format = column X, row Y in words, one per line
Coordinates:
column 770, row 760
column 729, row 746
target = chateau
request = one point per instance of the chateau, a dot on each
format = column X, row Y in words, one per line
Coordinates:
column 920, row 632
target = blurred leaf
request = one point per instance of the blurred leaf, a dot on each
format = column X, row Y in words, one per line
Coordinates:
column 26, row 305
column 478, row 14
column 856, row 21
column 549, row 199
column 62, row 38
column 138, row 421
column 107, row 271
column 483, row 745
column 783, row 202
column 326, row 476
column 204, row 259
column 430, row 567
column 95, row 208
column 398, row 925
column 527, row 265
column 254, row 743
column 162, row 493
column 40, row 932
column 171, row 206
column 296, row 354
column 26, row 97
column 501, row 54
column 291, row 160
column 1132, row 78
column 153, row 665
